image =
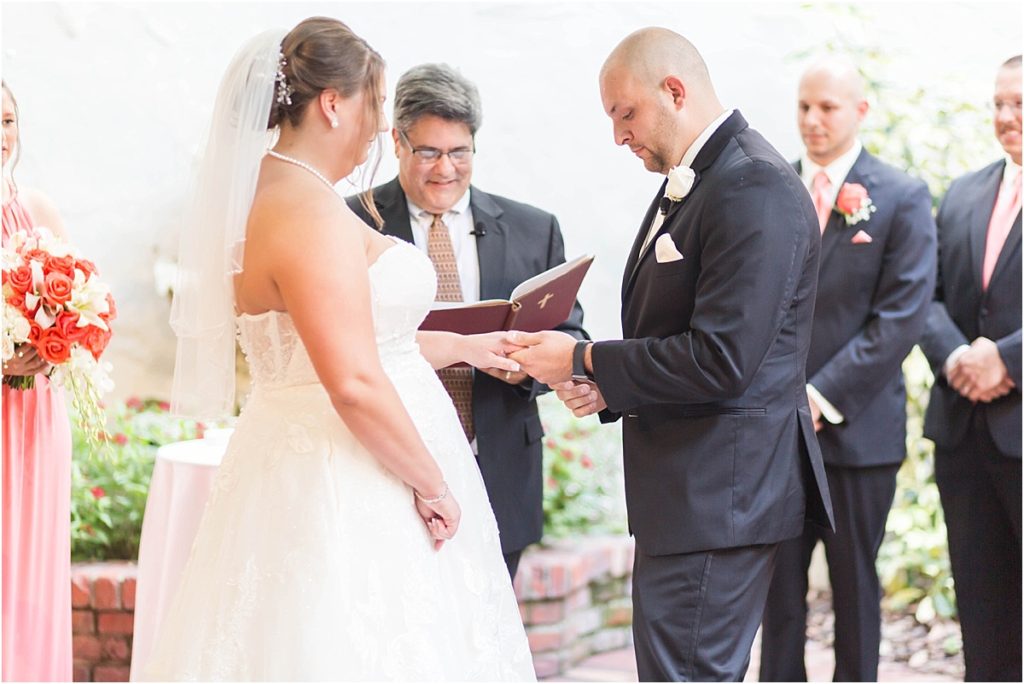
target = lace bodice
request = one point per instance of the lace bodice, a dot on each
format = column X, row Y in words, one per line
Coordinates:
column 402, row 285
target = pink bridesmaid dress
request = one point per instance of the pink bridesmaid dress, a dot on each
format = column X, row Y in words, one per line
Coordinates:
column 36, row 522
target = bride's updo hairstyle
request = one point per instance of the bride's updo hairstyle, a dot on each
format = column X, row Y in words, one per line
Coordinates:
column 321, row 53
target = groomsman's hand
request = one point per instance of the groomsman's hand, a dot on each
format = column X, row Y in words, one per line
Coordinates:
column 583, row 399
column 547, row 356
column 979, row 374
column 815, row 413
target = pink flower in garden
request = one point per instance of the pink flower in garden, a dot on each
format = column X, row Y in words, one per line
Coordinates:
column 586, row 462
column 567, row 455
column 98, row 492
column 164, row 405
column 133, row 403
column 121, row 438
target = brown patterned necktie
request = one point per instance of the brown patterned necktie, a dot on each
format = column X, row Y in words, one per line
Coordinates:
column 458, row 381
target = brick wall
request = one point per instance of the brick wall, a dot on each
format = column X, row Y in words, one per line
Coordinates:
column 102, row 616
column 573, row 596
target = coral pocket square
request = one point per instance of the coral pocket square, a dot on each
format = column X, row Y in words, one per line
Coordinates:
column 665, row 250
column 861, row 238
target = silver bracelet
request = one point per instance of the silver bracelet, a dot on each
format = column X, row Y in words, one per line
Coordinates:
column 436, row 499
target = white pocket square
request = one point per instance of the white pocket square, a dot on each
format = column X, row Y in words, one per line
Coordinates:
column 665, row 250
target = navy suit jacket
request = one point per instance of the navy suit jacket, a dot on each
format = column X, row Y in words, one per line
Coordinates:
column 871, row 309
column 962, row 311
column 719, row 446
column 518, row 242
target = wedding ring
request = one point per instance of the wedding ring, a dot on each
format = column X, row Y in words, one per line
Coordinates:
column 21, row 354
column 508, row 375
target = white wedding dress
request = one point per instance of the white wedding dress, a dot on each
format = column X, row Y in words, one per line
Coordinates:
column 311, row 562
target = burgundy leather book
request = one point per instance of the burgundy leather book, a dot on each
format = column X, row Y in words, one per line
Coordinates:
column 539, row 303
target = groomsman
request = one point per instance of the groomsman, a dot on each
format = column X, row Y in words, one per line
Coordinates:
column 875, row 282
column 482, row 246
column 973, row 342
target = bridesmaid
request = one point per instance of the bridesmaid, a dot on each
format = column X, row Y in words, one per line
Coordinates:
column 36, row 478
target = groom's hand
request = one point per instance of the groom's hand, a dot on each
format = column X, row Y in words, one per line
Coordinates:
column 583, row 399
column 547, row 356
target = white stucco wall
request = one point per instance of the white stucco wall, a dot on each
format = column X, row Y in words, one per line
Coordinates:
column 115, row 97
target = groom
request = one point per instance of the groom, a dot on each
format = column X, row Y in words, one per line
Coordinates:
column 721, row 460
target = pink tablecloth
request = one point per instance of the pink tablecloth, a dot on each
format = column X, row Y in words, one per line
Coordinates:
column 182, row 477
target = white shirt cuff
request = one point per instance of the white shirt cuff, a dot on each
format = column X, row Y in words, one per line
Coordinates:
column 953, row 357
column 829, row 412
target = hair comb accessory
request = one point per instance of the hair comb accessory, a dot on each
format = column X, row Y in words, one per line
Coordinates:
column 284, row 91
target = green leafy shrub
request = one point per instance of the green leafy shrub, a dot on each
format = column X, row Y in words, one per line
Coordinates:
column 583, row 492
column 109, row 486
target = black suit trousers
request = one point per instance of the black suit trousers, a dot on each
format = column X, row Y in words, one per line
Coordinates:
column 861, row 499
column 695, row 614
column 981, row 498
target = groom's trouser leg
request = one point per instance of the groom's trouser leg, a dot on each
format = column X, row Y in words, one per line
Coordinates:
column 695, row 614
column 784, row 632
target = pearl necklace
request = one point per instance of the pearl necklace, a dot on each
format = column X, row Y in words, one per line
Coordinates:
column 302, row 165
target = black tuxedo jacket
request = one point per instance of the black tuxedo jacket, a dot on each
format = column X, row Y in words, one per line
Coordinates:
column 962, row 311
column 871, row 309
column 719, row 446
column 518, row 241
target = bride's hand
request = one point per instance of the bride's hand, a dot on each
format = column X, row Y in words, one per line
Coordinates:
column 441, row 518
column 489, row 350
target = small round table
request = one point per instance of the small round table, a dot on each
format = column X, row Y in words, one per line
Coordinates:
column 183, row 474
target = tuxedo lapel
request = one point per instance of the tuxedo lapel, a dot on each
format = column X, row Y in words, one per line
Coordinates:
column 633, row 262
column 981, row 214
column 491, row 243
column 835, row 227
column 394, row 209
column 707, row 155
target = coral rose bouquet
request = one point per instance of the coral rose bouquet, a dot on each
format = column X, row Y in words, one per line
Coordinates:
column 56, row 304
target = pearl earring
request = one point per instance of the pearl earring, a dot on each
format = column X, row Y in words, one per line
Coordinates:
column 334, row 123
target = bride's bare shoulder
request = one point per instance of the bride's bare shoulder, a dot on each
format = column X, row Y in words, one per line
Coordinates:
column 285, row 215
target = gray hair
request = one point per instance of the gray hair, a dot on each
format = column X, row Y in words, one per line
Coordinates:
column 438, row 90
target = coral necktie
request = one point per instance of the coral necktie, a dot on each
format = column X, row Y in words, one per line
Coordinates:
column 821, row 193
column 458, row 381
column 1003, row 215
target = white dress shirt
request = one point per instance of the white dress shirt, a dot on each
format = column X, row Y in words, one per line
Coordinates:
column 459, row 220
column 837, row 171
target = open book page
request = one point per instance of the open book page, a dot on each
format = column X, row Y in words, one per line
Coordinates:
column 541, row 279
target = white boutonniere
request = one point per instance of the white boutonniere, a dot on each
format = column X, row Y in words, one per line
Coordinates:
column 680, row 182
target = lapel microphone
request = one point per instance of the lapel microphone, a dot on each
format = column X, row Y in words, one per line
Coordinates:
column 478, row 230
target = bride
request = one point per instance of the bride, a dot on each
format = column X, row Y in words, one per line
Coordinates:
column 332, row 546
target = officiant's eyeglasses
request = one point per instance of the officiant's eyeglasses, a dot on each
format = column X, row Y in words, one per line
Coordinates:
column 430, row 155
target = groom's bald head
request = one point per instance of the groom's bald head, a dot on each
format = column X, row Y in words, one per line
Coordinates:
column 656, row 89
column 652, row 54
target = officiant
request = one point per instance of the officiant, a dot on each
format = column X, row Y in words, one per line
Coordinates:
column 482, row 246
